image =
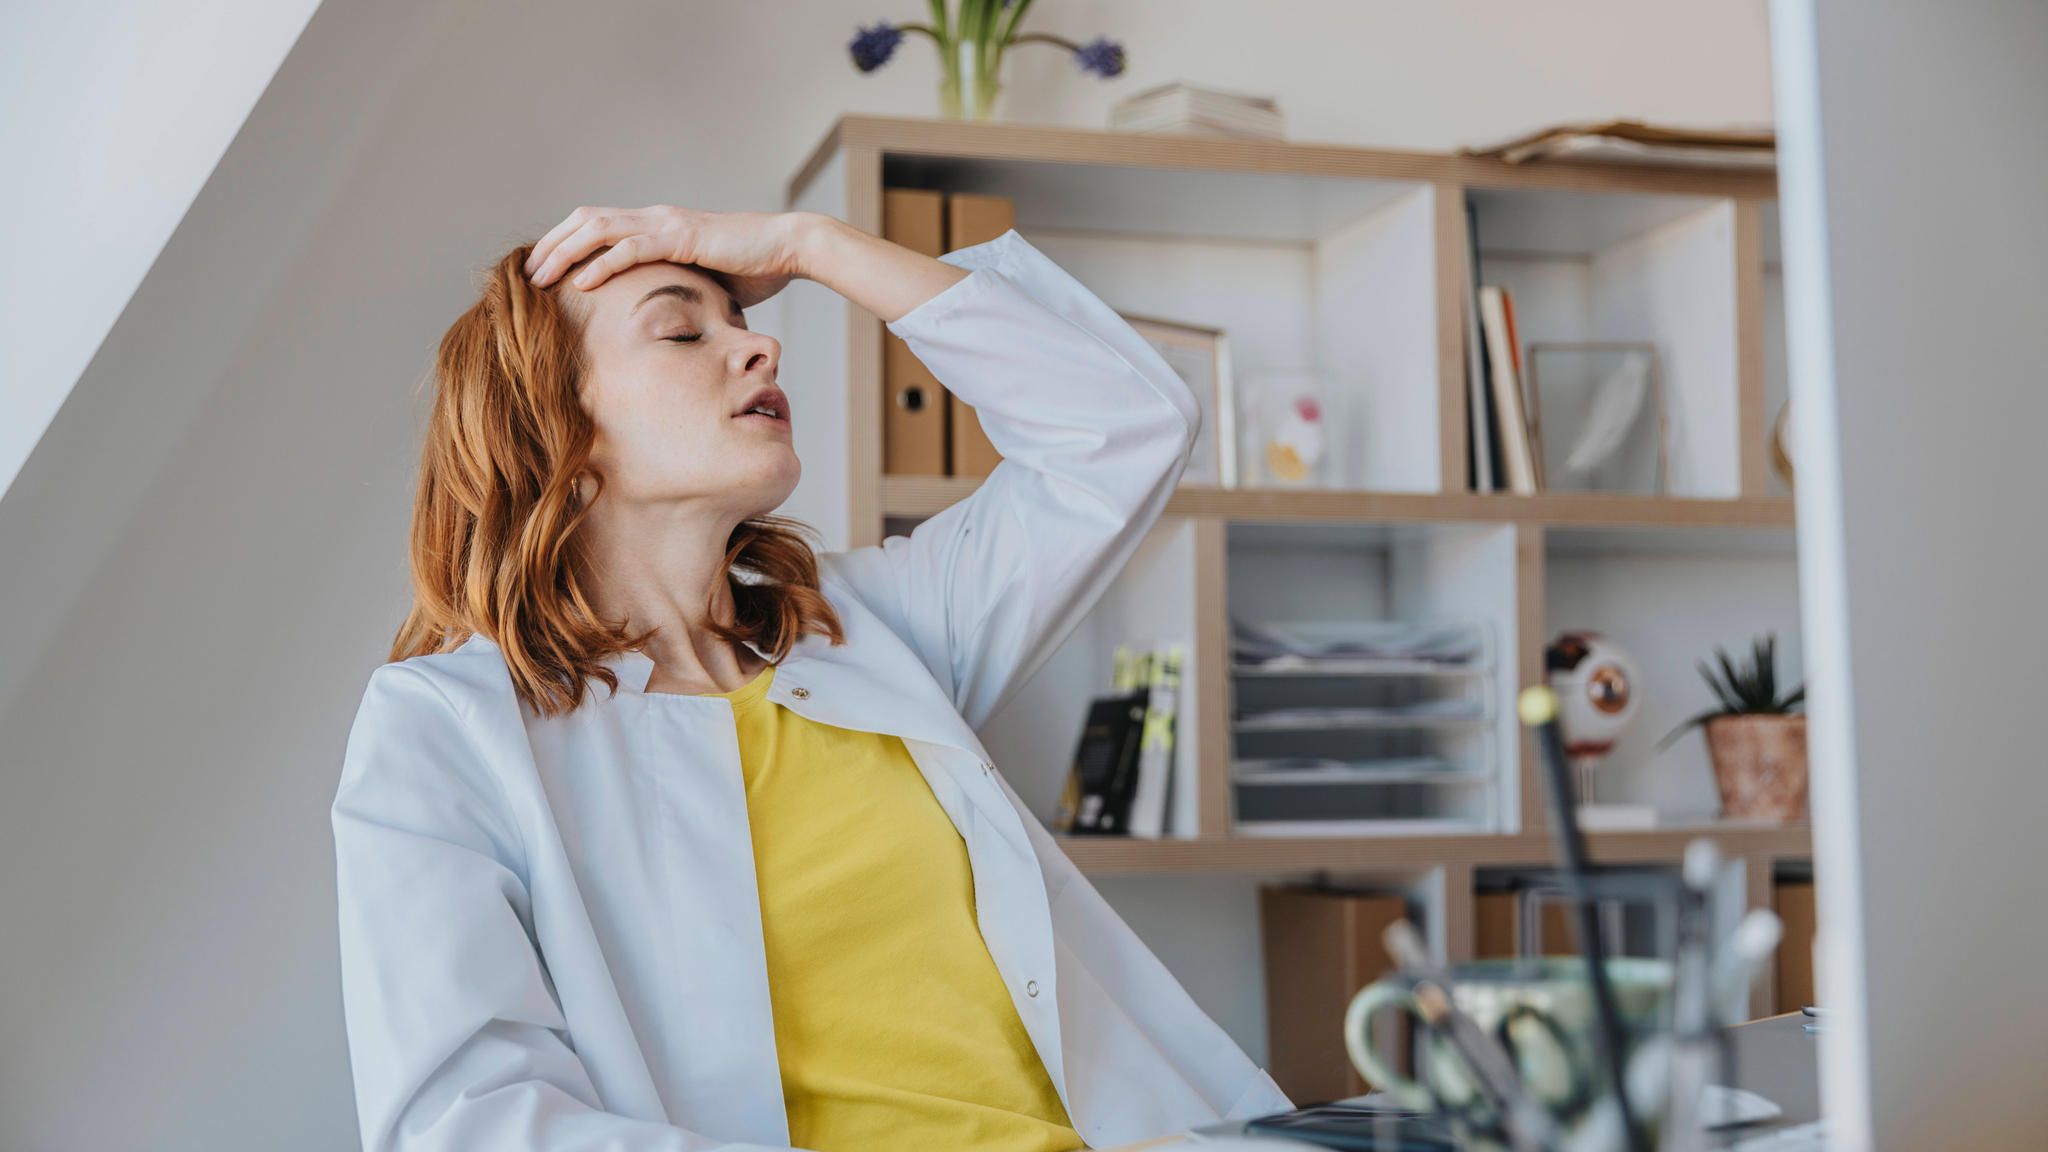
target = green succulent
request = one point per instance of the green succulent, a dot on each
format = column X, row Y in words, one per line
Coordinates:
column 1749, row 689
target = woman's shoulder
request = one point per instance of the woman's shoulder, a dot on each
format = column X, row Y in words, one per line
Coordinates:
column 465, row 674
column 451, row 698
column 418, row 757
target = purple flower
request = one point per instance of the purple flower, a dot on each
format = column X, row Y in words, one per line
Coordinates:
column 871, row 47
column 1101, row 55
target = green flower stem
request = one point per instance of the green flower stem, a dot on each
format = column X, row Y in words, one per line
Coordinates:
column 1046, row 38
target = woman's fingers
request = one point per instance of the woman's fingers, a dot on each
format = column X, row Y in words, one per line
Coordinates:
column 623, row 254
column 573, row 239
column 545, row 246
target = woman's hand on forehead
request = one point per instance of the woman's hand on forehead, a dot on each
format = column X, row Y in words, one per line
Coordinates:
column 753, row 255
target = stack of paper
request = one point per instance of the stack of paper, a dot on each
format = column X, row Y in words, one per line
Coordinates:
column 1634, row 142
column 1185, row 108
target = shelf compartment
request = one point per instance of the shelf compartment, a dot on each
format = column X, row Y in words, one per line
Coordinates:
column 1667, row 608
column 1630, row 266
column 1396, row 588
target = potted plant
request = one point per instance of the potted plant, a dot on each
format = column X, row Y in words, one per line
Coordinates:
column 1755, row 739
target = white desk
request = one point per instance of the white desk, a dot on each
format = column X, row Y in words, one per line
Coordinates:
column 1775, row 1057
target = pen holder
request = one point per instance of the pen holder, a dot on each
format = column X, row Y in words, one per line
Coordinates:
column 1540, row 1011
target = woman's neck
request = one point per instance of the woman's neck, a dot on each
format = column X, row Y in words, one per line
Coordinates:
column 666, row 571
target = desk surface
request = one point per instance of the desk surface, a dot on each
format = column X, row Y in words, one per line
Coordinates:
column 1775, row 1057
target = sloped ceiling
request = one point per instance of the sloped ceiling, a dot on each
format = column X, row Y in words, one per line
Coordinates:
column 112, row 115
column 192, row 313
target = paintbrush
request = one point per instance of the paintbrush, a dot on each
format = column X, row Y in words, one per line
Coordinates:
column 1538, row 709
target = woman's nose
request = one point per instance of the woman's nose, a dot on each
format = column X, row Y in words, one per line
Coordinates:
column 761, row 352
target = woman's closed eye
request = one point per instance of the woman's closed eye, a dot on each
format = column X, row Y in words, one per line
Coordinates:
column 685, row 337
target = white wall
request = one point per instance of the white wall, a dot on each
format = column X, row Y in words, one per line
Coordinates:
column 204, row 557
column 1915, row 301
column 112, row 114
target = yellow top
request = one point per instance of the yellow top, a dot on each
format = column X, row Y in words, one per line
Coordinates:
column 892, row 1025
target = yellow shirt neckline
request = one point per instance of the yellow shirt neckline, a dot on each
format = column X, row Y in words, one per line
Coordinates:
column 749, row 692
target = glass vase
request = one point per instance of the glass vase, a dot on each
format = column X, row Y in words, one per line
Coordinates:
column 967, row 91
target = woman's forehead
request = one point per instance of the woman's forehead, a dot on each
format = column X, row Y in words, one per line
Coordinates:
column 648, row 286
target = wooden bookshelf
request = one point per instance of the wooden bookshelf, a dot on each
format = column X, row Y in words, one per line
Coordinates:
column 1360, row 257
column 1110, row 855
column 915, row 497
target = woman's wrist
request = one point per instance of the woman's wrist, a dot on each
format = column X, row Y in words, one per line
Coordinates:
column 881, row 276
column 815, row 234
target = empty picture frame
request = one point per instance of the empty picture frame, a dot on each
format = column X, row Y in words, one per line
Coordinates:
column 1596, row 413
column 1201, row 356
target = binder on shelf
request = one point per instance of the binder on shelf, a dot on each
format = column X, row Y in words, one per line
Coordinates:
column 913, row 400
column 1321, row 946
column 972, row 219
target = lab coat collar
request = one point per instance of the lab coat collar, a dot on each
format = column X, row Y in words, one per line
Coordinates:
column 841, row 686
column 870, row 683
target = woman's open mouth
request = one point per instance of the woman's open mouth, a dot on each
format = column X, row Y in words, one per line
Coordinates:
column 768, row 404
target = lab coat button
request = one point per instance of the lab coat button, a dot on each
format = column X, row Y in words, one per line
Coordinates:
column 1031, row 987
column 800, row 693
column 988, row 768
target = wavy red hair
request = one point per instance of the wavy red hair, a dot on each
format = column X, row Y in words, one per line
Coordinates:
column 494, row 545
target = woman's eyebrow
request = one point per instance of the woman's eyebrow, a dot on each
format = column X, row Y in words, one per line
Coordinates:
column 688, row 293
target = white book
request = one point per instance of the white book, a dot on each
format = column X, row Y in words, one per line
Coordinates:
column 1183, row 108
column 1507, row 393
column 1155, row 751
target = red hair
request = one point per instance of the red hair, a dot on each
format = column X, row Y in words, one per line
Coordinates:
column 494, row 546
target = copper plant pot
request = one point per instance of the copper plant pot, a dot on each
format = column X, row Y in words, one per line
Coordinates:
column 1759, row 765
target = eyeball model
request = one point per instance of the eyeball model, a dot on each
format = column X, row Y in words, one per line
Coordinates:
column 1596, row 692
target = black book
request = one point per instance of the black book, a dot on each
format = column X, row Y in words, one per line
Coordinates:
column 1105, row 771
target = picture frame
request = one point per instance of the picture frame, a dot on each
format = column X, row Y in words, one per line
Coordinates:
column 1597, row 416
column 1200, row 355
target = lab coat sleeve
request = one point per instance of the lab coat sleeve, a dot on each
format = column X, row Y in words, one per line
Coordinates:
column 1094, row 428
column 456, row 1039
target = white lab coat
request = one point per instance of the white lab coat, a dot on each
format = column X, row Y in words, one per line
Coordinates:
column 550, row 927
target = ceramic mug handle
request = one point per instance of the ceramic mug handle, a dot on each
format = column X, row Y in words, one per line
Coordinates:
column 1380, row 994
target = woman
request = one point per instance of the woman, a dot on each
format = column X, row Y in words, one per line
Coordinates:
column 662, row 832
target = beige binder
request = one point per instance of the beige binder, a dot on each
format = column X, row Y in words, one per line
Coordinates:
column 913, row 402
column 973, row 219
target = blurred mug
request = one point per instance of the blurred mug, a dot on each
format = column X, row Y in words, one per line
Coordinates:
column 1541, row 1011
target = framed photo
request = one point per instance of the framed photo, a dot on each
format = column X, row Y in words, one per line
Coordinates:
column 1201, row 355
column 1596, row 416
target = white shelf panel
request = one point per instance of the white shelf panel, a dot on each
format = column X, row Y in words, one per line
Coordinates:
column 1358, row 828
